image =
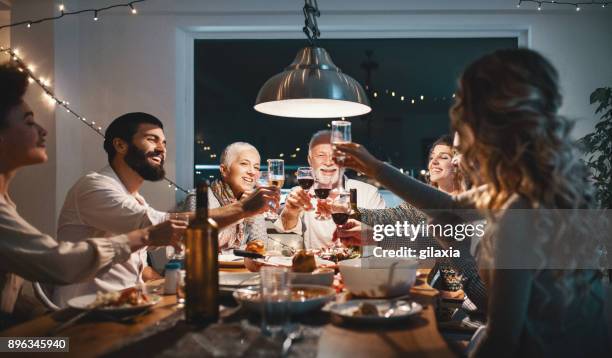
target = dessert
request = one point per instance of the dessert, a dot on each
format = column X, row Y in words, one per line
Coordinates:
column 303, row 261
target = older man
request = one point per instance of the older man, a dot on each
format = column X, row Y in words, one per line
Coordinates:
column 297, row 215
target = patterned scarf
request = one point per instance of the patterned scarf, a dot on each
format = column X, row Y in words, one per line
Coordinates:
column 225, row 196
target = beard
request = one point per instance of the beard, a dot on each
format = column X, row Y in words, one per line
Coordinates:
column 136, row 159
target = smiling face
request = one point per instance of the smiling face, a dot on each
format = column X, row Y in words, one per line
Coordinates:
column 146, row 153
column 440, row 166
column 322, row 163
column 243, row 172
column 22, row 139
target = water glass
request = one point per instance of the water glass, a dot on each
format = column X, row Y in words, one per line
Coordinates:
column 275, row 297
column 340, row 133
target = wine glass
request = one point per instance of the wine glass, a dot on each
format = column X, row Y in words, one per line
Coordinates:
column 340, row 133
column 263, row 181
column 171, row 252
column 322, row 188
column 341, row 210
column 276, row 177
column 305, row 178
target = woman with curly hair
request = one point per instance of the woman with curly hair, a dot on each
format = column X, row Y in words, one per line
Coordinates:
column 539, row 255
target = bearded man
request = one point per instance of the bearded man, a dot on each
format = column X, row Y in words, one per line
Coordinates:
column 106, row 202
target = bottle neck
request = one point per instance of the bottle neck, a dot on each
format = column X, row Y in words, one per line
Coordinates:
column 202, row 203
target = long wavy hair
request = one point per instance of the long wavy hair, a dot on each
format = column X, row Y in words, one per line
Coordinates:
column 506, row 116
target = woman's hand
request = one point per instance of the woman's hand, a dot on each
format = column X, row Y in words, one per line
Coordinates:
column 357, row 157
column 353, row 233
column 258, row 200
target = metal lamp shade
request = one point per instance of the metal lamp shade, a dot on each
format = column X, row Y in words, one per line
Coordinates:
column 312, row 87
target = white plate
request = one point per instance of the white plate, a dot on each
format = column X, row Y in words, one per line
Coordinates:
column 83, row 303
column 238, row 279
column 287, row 261
column 403, row 310
column 231, row 260
column 249, row 298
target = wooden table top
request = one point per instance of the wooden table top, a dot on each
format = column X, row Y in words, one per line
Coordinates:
column 418, row 337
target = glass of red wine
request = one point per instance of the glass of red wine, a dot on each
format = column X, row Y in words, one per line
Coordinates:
column 341, row 208
column 322, row 188
column 305, row 178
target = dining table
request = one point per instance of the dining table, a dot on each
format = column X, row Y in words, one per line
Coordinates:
column 163, row 327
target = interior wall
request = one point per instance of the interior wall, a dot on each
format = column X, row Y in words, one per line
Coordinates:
column 34, row 188
column 127, row 63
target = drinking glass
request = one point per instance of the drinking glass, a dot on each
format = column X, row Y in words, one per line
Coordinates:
column 264, row 182
column 341, row 208
column 171, row 252
column 305, row 178
column 276, row 177
column 340, row 133
column 322, row 188
column 275, row 297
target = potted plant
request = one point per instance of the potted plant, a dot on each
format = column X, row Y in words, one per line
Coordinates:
column 598, row 147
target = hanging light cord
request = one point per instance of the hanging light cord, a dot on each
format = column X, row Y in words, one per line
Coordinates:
column 311, row 28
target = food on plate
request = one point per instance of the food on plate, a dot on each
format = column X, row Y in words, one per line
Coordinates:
column 258, row 247
column 303, row 261
column 336, row 254
column 366, row 309
column 126, row 298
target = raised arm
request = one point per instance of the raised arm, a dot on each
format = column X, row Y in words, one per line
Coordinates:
column 416, row 193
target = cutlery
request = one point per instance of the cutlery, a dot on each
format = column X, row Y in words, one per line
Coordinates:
column 69, row 322
column 393, row 304
column 291, row 337
column 249, row 254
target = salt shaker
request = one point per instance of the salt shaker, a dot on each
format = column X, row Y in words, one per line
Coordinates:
column 171, row 277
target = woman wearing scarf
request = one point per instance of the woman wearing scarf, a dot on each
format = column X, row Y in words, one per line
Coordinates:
column 239, row 173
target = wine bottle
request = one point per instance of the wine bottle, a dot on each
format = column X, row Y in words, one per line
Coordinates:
column 202, row 264
column 355, row 214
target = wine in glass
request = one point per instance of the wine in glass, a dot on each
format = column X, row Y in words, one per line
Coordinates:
column 341, row 208
column 340, row 133
column 322, row 188
column 305, row 177
column 276, row 177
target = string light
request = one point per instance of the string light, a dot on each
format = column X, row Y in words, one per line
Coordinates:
column 577, row 5
column 50, row 95
column 63, row 13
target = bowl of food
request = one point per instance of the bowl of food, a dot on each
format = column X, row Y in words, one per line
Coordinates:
column 320, row 277
column 304, row 298
column 374, row 277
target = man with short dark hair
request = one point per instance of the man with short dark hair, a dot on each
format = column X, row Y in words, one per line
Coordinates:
column 106, row 202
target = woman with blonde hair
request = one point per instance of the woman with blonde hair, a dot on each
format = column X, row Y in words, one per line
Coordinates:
column 540, row 251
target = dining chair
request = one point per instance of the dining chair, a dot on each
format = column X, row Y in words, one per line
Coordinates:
column 41, row 294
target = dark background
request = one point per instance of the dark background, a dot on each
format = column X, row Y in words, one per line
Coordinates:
column 229, row 73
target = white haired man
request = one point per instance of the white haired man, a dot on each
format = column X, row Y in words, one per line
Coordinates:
column 297, row 215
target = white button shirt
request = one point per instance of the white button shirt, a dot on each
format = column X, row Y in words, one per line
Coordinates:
column 99, row 205
column 318, row 233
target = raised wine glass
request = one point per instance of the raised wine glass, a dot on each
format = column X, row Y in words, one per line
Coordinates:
column 322, row 189
column 276, row 177
column 340, row 133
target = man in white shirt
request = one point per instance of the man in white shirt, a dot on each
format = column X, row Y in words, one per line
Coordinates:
column 298, row 215
column 107, row 202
